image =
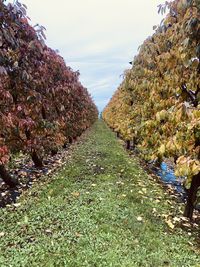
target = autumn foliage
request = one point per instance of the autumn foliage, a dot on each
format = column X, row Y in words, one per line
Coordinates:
column 43, row 105
column 157, row 104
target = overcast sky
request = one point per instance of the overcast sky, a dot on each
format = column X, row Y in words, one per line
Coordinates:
column 96, row 37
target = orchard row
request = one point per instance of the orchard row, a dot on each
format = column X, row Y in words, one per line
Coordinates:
column 43, row 105
column 157, row 104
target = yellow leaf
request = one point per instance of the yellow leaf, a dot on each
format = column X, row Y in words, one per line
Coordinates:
column 170, row 224
column 162, row 149
column 195, row 168
column 75, row 194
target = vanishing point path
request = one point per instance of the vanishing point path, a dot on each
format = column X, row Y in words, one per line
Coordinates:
column 100, row 210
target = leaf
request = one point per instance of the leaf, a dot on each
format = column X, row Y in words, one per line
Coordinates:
column 75, row 194
column 170, row 224
column 195, row 168
column 48, row 231
column 78, row 234
column 186, row 42
column 139, row 219
column 26, row 219
column 162, row 149
column 17, row 205
column 2, row 234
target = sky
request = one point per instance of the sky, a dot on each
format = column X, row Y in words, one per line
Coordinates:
column 97, row 37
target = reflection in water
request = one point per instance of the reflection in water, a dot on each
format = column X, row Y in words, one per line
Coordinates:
column 167, row 176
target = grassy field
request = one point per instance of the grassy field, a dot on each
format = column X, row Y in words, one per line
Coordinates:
column 100, row 210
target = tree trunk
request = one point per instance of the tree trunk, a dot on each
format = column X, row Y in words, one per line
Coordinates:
column 128, row 144
column 70, row 140
column 175, row 158
column 37, row 161
column 65, row 145
column 191, row 196
column 134, row 142
column 54, row 151
column 44, row 116
column 117, row 134
column 12, row 182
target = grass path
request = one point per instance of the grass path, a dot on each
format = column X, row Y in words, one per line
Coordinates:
column 98, row 211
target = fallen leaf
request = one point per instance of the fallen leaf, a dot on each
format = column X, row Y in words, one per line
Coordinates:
column 23, row 173
column 170, row 224
column 48, row 231
column 176, row 219
column 75, row 194
column 139, row 219
column 187, row 225
column 77, row 234
column 184, row 218
column 144, row 190
column 17, row 205
column 154, row 210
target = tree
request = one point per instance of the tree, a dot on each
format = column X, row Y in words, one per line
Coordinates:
column 159, row 96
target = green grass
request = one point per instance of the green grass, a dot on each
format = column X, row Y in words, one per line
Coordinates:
column 100, row 210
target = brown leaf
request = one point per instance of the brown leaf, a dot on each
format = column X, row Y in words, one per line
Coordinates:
column 75, row 194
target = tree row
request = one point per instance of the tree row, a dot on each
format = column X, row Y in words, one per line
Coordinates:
column 43, row 105
column 157, row 105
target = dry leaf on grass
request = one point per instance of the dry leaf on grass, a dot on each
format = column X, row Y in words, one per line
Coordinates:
column 170, row 224
column 2, row 234
column 75, row 194
column 139, row 219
